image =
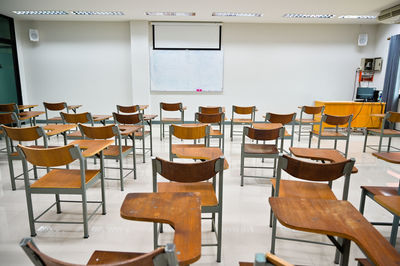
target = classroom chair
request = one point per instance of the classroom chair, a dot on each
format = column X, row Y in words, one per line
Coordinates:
column 24, row 134
column 81, row 118
column 312, row 174
column 391, row 118
column 312, row 111
column 193, row 177
column 163, row 256
column 216, row 119
column 22, row 116
column 170, row 107
column 284, row 119
column 55, row 107
column 60, row 181
column 135, row 119
column 114, row 152
column 8, row 119
column 249, row 114
column 187, row 132
column 255, row 150
column 335, row 121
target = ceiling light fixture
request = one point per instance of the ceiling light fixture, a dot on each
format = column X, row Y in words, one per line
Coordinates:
column 40, row 12
column 291, row 15
column 183, row 14
column 357, row 17
column 236, row 14
column 98, row 13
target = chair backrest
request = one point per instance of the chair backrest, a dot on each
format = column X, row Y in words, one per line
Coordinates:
column 393, row 117
column 315, row 171
column 128, row 109
column 187, row 172
column 313, row 110
column 50, row 157
column 130, row 119
column 262, row 134
column 243, row 110
column 210, row 118
column 161, row 256
column 190, row 132
column 55, row 106
column 9, row 107
column 25, row 133
column 335, row 120
column 210, row 110
column 9, row 119
column 77, row 118
column 280, row 118
column 103, row 132
column 171, row 106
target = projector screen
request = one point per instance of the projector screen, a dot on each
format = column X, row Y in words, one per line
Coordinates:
column 187, row 36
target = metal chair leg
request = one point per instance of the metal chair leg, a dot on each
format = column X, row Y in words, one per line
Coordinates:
column 219, row 240
column 58, row 205
column 85, row 216
column 365, row 140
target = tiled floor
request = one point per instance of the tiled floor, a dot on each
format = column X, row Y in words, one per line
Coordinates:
column 245, row 213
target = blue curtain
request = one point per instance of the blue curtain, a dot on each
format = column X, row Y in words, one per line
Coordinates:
column 390, row 93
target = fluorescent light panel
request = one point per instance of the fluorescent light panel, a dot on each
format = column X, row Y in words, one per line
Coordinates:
column 98, row 13
column 357, row 17
column 236, row 14
column 183, row 14
column 40, row 12
column 293, row 15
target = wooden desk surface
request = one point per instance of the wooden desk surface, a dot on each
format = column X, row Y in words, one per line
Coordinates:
column 127, row 130
column 391, row 157
column 92, row 147
column 180, row 210
column 29, row 114
column 98, row 118
column 335, row 218
column 199, row 152
column 55, row 129
column 27, row 106
column 391, row 203
column 149, row 117
column 267, row 125
column 74, row 107
column 331, row 155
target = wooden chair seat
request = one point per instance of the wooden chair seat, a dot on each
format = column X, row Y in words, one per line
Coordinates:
column 171, row 119
column 329, row 134
column 215, row 132
column 300, row 189
column 140, row 133
column 75, row 134
column 64, row 178
column 180, row 146
column 260, row 148
column 100, row 257
column 241, row 120
column 204, row 189
column 56, row 118
column 113, row 150
column 383, row 191
column 385, row 131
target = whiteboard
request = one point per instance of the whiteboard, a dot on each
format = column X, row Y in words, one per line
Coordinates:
column 186, row 70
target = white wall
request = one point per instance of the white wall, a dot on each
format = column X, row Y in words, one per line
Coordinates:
column 382, row 49
column 78, row 62
column 278, row 67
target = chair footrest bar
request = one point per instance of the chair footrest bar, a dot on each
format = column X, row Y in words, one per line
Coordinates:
column 304, row 241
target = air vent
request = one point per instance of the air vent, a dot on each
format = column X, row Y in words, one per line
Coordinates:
column 390, row 15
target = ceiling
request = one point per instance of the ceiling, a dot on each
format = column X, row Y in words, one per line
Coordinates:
column 272, row 10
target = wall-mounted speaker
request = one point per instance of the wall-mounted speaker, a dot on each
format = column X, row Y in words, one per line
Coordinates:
column 33, row 35
column 362, row 39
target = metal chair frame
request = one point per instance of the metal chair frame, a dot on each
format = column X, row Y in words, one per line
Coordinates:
column 346, row 136
column 75, row 154
column 219, row 169
column 301, row 121
column 292, row 123
column 387, row 120
column 221, row 128
column 235, row 109
column 46, row 109
column 244, row 155
column 163, row 122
